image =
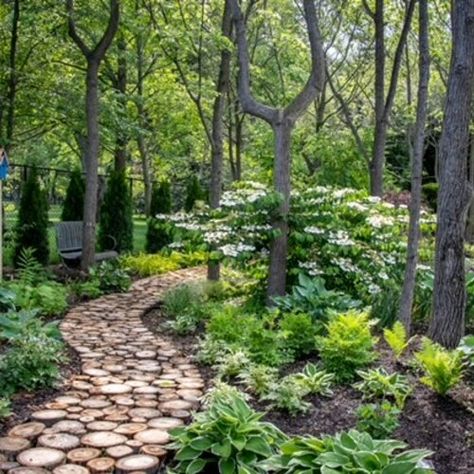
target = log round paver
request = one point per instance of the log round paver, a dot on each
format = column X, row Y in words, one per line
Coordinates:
column 115, row 415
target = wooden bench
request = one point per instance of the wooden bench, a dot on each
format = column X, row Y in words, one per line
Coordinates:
column 69, row 242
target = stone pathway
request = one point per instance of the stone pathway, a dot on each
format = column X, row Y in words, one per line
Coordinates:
column 133, row 388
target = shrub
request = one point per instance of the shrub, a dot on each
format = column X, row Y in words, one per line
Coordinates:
column 298, row 332
column 210, row 350
column 258, row 378
column 87, row 289
column 443, row 369
column 348, row 346
column 379, row 384
column 397, row 339
column 223, row 323
column 116, row 218
column 182, row 299
column 159, row 234
column 32, row 223
column 314, row 380
column 109, row 277
column 73, row 208
column 288, row 396
column 16, row 326
column 31, row 363
column 232, row 364
column 378, row 419
column 228, row 437
column 161, row 198
column 194, row 193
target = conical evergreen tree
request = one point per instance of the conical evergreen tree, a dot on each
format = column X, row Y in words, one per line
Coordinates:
column 116, row 216
column 159, row 233
column 73, row 207
column 32, row 223
column 194, row 193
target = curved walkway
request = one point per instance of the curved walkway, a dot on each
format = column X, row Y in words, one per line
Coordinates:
column 133, row 388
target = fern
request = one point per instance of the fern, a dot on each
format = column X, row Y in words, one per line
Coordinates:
column 443, row 369
column 30, row 270
column 397, row 339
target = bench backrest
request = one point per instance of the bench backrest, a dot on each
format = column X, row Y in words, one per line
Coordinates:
column 69, row 235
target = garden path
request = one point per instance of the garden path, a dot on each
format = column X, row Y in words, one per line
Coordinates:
column 133, row 388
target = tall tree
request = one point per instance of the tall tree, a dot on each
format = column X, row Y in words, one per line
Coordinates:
column 449, row 301
column 94, row 57
column 282, row 121
column 384, row 103
column 408, row 290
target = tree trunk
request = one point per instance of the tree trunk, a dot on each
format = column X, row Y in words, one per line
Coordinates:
column 281, row 180
column 470, row 219
column 147, row 175
column 120, row 152
column 408, row 290
column 217, row 147
column 449, row 302
column 92, row 165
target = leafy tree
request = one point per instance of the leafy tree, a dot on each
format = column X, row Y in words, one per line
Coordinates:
column 74, row 203
column 116, row 217
column 32, row 224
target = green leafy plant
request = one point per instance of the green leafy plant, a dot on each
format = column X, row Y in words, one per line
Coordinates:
column 358, row 452
column 232, row 364
column 89, row 289
column 30, row 272
column 443, row 369
column 31, row 363
column 288, row 396
column 315, row 380
column 298, row 333
column 348, row 346
column 159, row 234
column 466, row 346
column 397, row 339
column 379, row 384
column 110, row 277
column 258, row 378
column 378, row 419
column 180, row 299
column 73, row 207
column 211, row 350
column 16, row 325
column 310, row 296
column 5, row 406
column 228, row 437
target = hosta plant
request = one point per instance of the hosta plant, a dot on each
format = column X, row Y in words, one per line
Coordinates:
column 397, row 339
column 358, row 452
column 17, row 325
column 443, row 369
column 379, row 384
column 228, row 437
column 315, row 380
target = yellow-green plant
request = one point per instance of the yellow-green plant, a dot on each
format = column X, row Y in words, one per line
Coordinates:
column 397, row 339
column 443, row 369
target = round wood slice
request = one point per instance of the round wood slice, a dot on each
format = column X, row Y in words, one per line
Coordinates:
column 103, row 439
column 7, row 466
column 144, row 413
column 96, row 372
column 144, row 403
column 154, row 450
column 119, row 451
column 138, row 462
column 103, row 464
column 10, row 446
column 130, row 429
column 68, row 426
column 68, row 400
column 62, row 441
column 49, row 417
column 175, row 405
column 27, row 430
column 95, row 403
column 134, row 444
column 115, row 389
column 41, row 457
column 165, row 423
column 153, row 436
column 102, row 426
column 83, row 455
column 28, row 470
column 71, row 469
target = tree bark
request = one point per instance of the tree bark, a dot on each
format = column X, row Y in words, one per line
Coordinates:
column 449, row 301
column 282, row 122
column 121, row 141
column 94, row 57
column 408, row 290
column 470, row 220
column 217, row 146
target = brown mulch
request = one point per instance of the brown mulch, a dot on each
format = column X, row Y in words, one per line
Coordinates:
column 443, row 425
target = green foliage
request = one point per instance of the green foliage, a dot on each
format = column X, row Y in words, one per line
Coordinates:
column 4, row 407
column 159, row 234
column 310, row 296
column 232, row 364
column 378, row 419
column 15, row 326
column 110, row 278
column 288, row 396
column 228, row 437
column 31, row 363
column 359, row 452
column 194, row 193
column 397, row 339
column 348, row 346
column 32, row 223
column 210, row 350
column 116, row 216
column 89, row 289
column 385, row 305
column 73, row 207
column 298, row 332
column 466, row 346
column 258, row 378
column 30, row 272
column 161, row 199
column 314, row 380
column 443, row 369
column 379, row 384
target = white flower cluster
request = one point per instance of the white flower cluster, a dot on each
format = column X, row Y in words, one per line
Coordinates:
column 216, row 236
column 345, row 265
column 234, row 250
column 341, row 238
column 357, row 206
column 312, row 268
column 314, row 230
column 378, row 221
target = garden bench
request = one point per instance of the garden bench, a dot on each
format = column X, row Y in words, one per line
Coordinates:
column 69, row 242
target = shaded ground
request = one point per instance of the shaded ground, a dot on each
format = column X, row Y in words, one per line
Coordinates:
column 445, row 426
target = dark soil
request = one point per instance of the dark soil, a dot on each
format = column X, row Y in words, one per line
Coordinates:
column 445, row 426
column 24, row 403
